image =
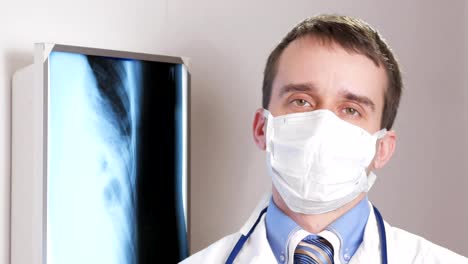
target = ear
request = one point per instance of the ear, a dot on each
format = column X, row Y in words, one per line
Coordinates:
column 385, row 149
column 259, row 129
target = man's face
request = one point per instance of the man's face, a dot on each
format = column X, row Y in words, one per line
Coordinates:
column 315, row 75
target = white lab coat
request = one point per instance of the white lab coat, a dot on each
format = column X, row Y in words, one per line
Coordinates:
column 402, row 247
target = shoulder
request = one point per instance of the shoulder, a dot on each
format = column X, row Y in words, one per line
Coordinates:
column 219, row 251
column 417, row 249
column 216, row 252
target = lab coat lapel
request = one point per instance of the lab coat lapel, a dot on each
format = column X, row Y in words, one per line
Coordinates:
column 369, row 250
column 256, row 248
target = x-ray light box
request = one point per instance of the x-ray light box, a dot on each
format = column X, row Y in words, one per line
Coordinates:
column 100, row 157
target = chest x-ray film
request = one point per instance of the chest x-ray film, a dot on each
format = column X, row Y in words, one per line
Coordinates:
column 117, row 156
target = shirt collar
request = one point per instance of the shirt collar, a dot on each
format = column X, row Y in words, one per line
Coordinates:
column 349, row 229
column 280, row 228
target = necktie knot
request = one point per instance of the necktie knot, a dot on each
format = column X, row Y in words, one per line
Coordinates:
column 313, row 250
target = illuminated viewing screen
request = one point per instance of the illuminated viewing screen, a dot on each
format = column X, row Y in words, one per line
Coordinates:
column 116, row 173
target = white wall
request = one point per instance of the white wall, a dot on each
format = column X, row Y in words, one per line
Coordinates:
column 423, row 189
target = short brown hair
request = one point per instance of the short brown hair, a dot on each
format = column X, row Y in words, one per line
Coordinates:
column 353, row 35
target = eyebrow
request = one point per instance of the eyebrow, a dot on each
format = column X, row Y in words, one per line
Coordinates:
column 359, row 99
column 310, row 87
column 297, row 87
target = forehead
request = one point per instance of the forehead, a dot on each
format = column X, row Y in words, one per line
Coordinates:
column 330, row 68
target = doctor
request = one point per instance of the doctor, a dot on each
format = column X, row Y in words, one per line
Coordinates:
column 331, row 91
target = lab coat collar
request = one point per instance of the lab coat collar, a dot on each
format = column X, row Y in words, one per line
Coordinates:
column 369, row 251
column 256, row 212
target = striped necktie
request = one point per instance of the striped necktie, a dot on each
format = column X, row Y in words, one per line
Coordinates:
column 313, row 250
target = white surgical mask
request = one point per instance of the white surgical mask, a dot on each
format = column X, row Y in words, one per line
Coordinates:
column 317, row 161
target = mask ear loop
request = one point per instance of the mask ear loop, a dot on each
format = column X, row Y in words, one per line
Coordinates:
column 378, row 135
column 371, row 177
column 269, row 130
column 381, row 133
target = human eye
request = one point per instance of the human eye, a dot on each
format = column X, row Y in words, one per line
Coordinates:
column 350, row 111
column 301, row 103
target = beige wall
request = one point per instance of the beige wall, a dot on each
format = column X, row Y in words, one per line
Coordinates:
column 423, row 189
column 465, row 74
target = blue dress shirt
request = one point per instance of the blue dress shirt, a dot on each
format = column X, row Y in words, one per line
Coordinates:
column 349, row 229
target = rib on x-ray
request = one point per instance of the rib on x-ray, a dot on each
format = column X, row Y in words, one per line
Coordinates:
column 114, row 176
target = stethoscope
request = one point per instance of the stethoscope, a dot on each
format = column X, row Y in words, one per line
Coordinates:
column 380, row 224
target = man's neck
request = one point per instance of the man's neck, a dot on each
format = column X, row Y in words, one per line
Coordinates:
column 314, row 223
